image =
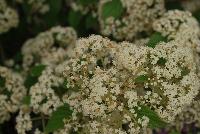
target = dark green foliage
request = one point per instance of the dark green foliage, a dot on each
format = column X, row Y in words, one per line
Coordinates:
column 154, row 119
column 32, row 78
column 112, row 8
column 56, row 120
column 30, row 81
column 87, row 2
column 141, row 79
column 155, row 39
column 2, row 81
column 74, row 18
column 37, row 70
column 173, row 4
column 91, row 22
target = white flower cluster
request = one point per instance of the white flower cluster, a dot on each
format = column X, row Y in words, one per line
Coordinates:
column 179, row 26
column 43, row 101
column 137, row 17
column 106, row 83
column 50, row 47
column 11, row 93
column 43, row 98
column 24, row 122
column 109, row 93
column 8, row 17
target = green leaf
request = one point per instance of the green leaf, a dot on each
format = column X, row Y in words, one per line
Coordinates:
column 26, row 100
column 30, row 81
column 155, row 39
column 87, row 2
column 55, row 6
column 56, row 120
column 91, row 22
column 141, row 79
column 172, row 4
column 2, row 81
column 161, row 61
column 112, row 8
column 74, row 18
column 37, row 70
column 154, row 120
column 18, row 57
column 32, row 78
column 52, row 16
column 26, row 8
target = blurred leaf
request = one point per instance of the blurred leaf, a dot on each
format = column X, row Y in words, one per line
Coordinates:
column 171, row 5
column 155, row 39
column 18, row 57
column 91, row 22
column 141, row 79
column 74, row 18
column 87, row 2
column 26, row 8
column 26, row 100
column 2, row 81
column 112, row 8
column 55, row 6
column 37, row 70
column 174, row 132
column 52, row 16
column 154, row 120
column 18, row 60
column 56, row 120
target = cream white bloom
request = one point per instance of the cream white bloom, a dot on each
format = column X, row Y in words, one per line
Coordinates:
column 8, row 17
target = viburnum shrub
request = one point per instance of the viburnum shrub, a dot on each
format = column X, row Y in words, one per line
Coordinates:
column 99, row 66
